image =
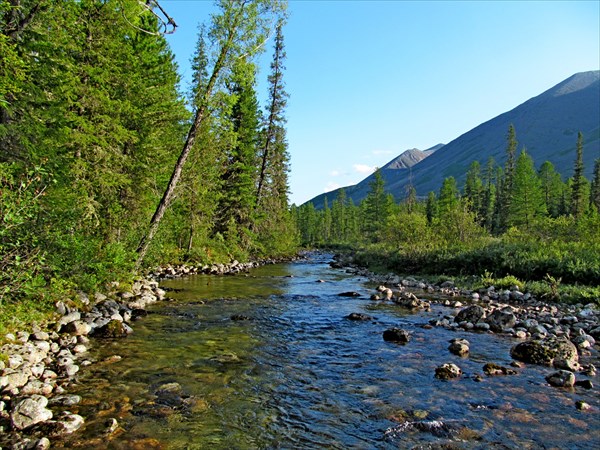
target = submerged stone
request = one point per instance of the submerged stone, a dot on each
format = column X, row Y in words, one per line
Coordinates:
column 447, row 371
column 396, row 335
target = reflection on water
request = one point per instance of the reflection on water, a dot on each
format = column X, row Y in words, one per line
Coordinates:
column 291, row 372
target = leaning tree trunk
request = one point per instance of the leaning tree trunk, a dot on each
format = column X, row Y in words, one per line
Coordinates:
column 189, row 143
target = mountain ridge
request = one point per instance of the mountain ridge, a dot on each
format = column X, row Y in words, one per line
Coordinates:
column 546, row 126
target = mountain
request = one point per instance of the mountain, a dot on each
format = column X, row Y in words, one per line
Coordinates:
column 394, row 171
column 546, row 125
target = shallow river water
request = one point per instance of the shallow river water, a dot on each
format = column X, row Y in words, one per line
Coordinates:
column 298, row 375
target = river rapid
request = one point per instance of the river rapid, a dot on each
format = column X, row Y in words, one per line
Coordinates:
column 268, row 360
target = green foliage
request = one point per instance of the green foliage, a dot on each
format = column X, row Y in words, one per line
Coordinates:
column 21, row 256
column 527, row 202
column 91, row 121
column 554, row 255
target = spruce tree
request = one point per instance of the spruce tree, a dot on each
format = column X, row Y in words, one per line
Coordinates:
column 578, row 198
column 595, row 190
column 474, row 191
column 507, row 179
column 527, row 200
column 431, row 208
column 552, row 188
column 376, row 205
column 238, row 31
column 448, row 198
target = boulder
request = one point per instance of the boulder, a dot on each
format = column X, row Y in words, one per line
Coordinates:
column 113, row 329
column 492, row 369
column 501, row 319
column 349, row 294
column 459, row 347
column 562, row 378
column 396, row 335
column 30, row 411
column 358, row 317
column 447, row 371
column 547, row 351
column 471, row 314
column 76, row 328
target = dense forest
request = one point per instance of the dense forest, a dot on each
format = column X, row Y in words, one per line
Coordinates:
column 100, row 145
column 507, row 226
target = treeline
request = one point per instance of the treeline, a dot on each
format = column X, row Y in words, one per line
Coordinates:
column 511, row 220
column 93, row 123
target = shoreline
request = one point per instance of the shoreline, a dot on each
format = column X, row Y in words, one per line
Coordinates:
column 41, row 365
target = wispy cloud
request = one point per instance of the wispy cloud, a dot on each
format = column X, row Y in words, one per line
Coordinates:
column 331, row 186
column 335, row 173
column 363, row 168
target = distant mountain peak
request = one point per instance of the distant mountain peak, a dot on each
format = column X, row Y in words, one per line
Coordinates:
column 546, row 125
column 575, row 83
column 409, row 158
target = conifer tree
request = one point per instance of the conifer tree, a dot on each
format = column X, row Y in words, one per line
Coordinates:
column 489, row 196
column 474, row 189
column 239, row 177
column 595, row 190
column 274, row 158
column 552, row 188
column 431, row 208
column 507, row 179
column 448, row 197
column 527, row 201
column 239, row 31
column 377, row 205
column 578, row 198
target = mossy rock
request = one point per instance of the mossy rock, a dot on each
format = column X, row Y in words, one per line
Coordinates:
column 546, row 351
column 113, row 329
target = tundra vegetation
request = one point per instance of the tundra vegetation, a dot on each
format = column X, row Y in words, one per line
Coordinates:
column 100, row 144
column 508, row 225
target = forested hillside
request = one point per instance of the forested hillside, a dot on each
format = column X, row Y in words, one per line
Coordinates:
column 93, row 129
column 547, row 125
column 506, row 225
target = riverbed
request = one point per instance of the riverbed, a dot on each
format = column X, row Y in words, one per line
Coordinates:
column 268, row 359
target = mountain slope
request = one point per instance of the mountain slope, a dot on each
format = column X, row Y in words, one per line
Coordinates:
column 395, row 170
column 546, row 125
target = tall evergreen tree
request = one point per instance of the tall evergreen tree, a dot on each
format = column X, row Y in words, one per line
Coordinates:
column 507, row 180
column 578, row 198
column 527, row 200
column 377, row 205
column 274, row 158
column 489, row 196
column 239, row 177
column 474, row 191
column 239, row 30
column 448, row 197
column 431, row 208
column 595, row 190
column 552, row 188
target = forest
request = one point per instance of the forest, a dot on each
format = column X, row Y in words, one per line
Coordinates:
column 100, row 144
column 109, row 167
column 508, row 226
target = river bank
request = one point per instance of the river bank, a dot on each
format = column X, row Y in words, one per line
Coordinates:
column 38, row 367
column 449, row 304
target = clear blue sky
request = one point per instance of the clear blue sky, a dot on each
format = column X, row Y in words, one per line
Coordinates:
column 370, row 79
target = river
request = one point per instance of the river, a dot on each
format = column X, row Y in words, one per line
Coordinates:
column 268, row 360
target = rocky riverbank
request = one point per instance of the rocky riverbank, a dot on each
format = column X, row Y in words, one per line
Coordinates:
column 561, row 336
column 38, row 367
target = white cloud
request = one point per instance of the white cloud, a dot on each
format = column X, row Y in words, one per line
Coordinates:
column 331, row 186
column 335, row 173
column 363, row 168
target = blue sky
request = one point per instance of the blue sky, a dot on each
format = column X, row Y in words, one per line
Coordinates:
column 370, row 79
